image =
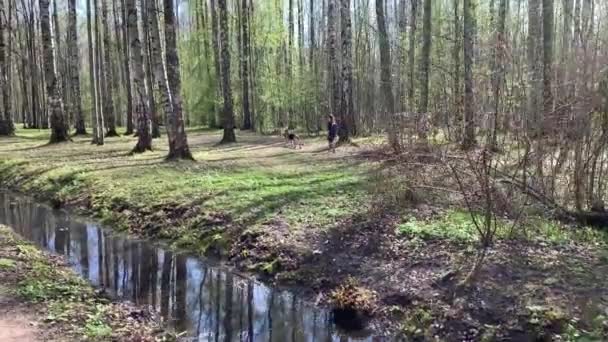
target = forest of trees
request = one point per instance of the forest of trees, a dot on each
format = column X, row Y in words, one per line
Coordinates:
column 471, row 70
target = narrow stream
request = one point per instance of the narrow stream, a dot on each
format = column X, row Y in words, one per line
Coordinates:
column 208, row 301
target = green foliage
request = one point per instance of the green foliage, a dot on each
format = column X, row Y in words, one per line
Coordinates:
column 45, row 282
column 550, row 230
column 417, row 323
column 95, row 326
column 198, row 79
column 7, row 264
column 453, row 225
column 458, row 226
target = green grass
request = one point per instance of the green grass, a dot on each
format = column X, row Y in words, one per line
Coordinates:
column 458, row 226
column 253, row 182
column 453, row 225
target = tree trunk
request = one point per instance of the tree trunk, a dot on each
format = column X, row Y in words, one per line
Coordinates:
column 301, row 34
column 148, row 16
column 216, row 60
column 334, row 63
column 499, row 68
column 247, row 122
column 548, row 28
column 457, row 49
column 6, row 120
column 469, row 98
column 176, row 131
column 535, row 69
column 59, row 132
column 109, row 110
column 347, row 106
column 386, row 84
column 59, row 65
column 412, row 55
column 100, row 81
column 228, row 115
column 127, row 66
column 74, row 65
column 93, row 91
column 565, row 87
column 117, row 67
column 290, row 35
column 311, row 26
column 144, row 138
column 425, row 65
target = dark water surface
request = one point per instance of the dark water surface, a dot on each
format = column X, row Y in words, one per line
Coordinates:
column 208, row 301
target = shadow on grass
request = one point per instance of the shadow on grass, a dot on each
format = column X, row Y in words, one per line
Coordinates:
column 274, row 194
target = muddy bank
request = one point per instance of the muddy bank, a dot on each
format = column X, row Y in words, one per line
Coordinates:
column 42, row 299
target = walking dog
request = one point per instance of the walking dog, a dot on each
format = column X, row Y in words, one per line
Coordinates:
column 292, row 140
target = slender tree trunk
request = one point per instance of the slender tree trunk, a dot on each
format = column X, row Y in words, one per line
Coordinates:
column 499, row 68
column 457, row 49
column 247, row 123
column 548, row 28
column 93, row 88
column 290, row 36
column 144, row 138
column 334, row 63
column 385, row 60
column 176, row 131
column 216, row 59
column 228, row 115
column 6, row 120
column 535, row 68
column 411, row 91
column 301, row 34
column 74, row 65
column 127, row 66
column 423, row 108
column 59, row 132
column 311, row 27
column 59, row 66
column 109, row 110
column 470, row 28
column 118, row 69
column 565, row 64
column 347, row 111
column 149, row 15
column 100, row 81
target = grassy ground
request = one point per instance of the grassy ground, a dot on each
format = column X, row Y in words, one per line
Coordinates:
column 320, row 220
column 42, row 299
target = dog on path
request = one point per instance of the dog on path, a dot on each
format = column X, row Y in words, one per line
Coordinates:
column 292, row 140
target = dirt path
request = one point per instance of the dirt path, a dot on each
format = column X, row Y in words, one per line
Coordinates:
column 17, row 323
column 15, row 329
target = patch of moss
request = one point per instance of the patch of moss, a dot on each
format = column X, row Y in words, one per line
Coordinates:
column 7, row 264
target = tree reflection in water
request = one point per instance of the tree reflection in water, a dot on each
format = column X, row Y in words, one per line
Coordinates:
column 208, row 302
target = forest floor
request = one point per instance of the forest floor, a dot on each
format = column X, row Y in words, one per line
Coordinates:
column 316, row 221
column 41, row 299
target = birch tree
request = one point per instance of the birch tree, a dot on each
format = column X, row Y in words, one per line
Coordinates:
column 144, row 138
column 59, row 131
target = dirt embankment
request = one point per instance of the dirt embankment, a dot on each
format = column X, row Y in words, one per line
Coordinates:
column 41, row 299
